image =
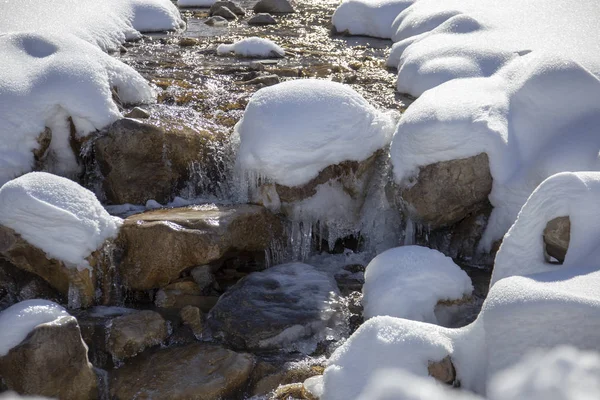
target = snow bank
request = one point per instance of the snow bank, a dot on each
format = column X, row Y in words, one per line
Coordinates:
column 563, row 373
column 293, row 130
column 18, row 320
column 155, row 15
column 56, row 215
column 515, row 118
column 368, row 17
column 407, row 282
column 575, row 195
column 252, row 47
column 46, row 78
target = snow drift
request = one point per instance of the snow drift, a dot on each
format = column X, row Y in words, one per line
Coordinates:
column 56, row 215
column 368, row 17
column 252, row 47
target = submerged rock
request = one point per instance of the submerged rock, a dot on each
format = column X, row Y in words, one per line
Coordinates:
column 159, row 245
column 557, row 236
column 285, row 307
column 273, row 7
column 262, row 19
column 196, row 371
column 233, row 7
column 52, row 361
column 130, row 334
column 216, row 21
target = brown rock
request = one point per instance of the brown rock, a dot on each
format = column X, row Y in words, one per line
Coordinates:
column 197, row 371
column 52, row 361
column 291, row 390
column 442, row 370
column 41, row 152
column 187, row 41
column 132, row 333
column 143, row 161
column 446, row 192
column 557, row 236
column 289, row 375
column 192, row 317
column 190, row 237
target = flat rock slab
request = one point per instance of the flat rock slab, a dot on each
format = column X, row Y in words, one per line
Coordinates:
column 197, row 371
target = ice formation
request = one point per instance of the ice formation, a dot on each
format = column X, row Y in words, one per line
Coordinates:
column 368, row 17
column 252, row 47
column 293, row 130
column 18, row 320
column 56, row 215
column 407, row 282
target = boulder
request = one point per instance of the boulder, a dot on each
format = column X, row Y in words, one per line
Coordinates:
column 442, row 370
column 132, row 333
column 224, row 12
column 190, row 237
column 143, row 161
column 52, row 361
column 557, row 236
column 233, row 7
column 262, row 19
column 196, row 371
column 182, row 294
column 446, row 192
column 273, row 7
column 293, row 298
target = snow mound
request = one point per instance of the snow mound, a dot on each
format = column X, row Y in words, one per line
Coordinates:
column 44, row 80
column 293, row 130
column 252, row 47
column 368, row 17
column 407, row 282
column 18, row 320
column 155, row 15
column 575, row 195
column 515, row 118
column 195, row 3
column 56, row 215
column 563, row 373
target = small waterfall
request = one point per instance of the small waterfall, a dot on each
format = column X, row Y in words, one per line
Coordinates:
column 109, row 288
column 409, row 233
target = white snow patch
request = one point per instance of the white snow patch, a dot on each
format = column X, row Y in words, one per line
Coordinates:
column 252, row 47
column 56, row 215
column 408, row 281
column 293, row 130
column 155, row 15
column 368, row 17
column 17, row 321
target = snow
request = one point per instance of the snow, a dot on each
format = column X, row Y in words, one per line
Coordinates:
column 575, row 195
column 293, row 130
column 252, row 47
column 408, row 281
column 536, row 117
column 195, row 3
column 46, row 78
column 56, row 215
column 17, row 321
column 563, row 373
column 368, row 17
column 155, row 15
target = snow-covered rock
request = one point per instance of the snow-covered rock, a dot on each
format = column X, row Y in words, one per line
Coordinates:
column 408, row 282
column 368, row 17
column 155, row 15
column 252, row 47
column 38, row 205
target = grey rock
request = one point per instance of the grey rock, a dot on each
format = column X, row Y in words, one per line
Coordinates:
column 273, row 7
column 132, row 333
column 262, row 19
column 233, row 7
column 216, row 21
column 204, row 278
column 138, row 113
column 557, row 236
column 267, row 80
column 224, row 12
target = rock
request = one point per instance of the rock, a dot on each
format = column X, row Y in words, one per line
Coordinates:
column 132, row 333
column 196, row 371
column 190, row 237
column 78, row 286
column 267, row 80
column 52, row 361
column 291, row 373
column 138, row 112
column 39, row 154
column 224, row 12
column 446, row 192
column 216, row 21
column 262, row 19
column 141, row 161
column 192, row 317
column 187, row 41
column 291, row 297
column 442, row 370
column 291, row 390
column 273, row 7
column 205, row 279
column 557, row 236
column 18, row 285
column 184, row 293
column 233, row 7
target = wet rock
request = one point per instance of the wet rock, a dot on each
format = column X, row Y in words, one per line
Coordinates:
column 224, row 12
column 267, row 80
column 132, row 333
column 187, row 42
column 204, row 278
column 233, row 7
column 192, row 317
column 216, row 21
column 196, row 371
column 557, row 236
column 442, row 370
column 273, row 7
column 143, row 161
column 189, row 237
column 52, row 361
column 18, row 285
column 289, row 374
column 262, row 19
column 277, row 308
column 291, row 390
column 138, row 113
column 182, row 294
column 446, row 192
column 78, row 286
